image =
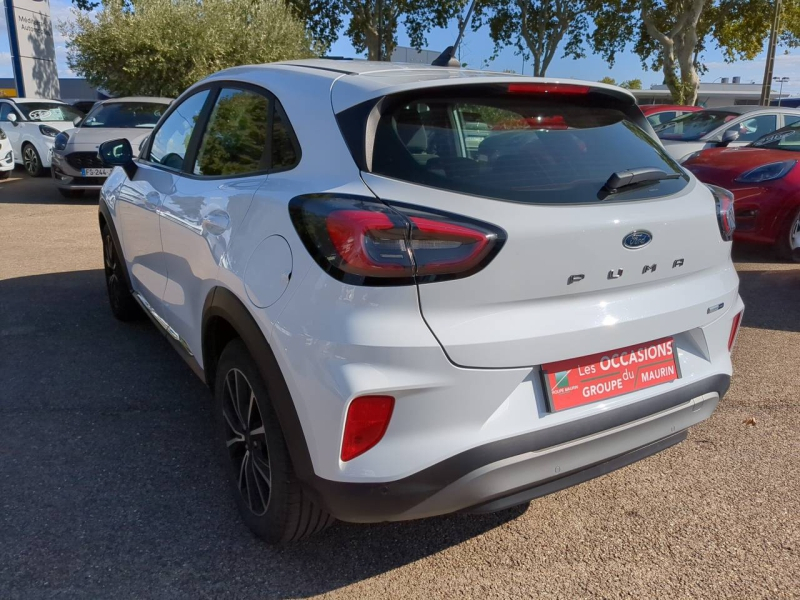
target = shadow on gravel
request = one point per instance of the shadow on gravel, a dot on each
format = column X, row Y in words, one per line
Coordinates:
column 771, row 298
column 111, row 481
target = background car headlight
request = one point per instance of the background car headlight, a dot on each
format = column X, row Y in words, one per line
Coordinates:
column 767, row 172
column 61, row 141
column 48, row 131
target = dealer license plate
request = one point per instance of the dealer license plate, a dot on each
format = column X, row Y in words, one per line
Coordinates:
column 95, row 172
column 578, row 381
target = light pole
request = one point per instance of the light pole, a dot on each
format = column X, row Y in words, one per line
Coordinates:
column 781, row 80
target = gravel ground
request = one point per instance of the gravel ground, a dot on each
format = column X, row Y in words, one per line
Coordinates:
column 109, row 487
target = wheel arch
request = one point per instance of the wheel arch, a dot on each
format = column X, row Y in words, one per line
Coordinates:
column 225, row 317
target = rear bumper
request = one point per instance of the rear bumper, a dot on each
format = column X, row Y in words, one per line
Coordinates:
column 511, row 471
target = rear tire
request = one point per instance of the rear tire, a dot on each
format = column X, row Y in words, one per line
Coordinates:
column 270, row 498
column 32, row 161
column 123, row 305
column 788, row 244
column 67, row 193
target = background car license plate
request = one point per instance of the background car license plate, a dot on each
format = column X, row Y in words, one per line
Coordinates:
column 605, row 375
column 95, row 172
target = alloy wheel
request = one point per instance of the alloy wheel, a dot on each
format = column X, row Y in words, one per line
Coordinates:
column 30, row 160
column 246, row 441
column 111, row 269
column 794, row 233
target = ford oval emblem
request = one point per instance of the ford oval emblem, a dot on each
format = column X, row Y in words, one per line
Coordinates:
column 637, row 239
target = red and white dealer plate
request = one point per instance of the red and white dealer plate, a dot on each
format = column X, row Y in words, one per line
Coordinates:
column 578, row 381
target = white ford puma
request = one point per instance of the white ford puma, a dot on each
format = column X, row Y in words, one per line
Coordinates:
column 400, row 317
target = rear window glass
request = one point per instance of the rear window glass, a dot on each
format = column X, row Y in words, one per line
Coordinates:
column 694, row 125
column 518, row 147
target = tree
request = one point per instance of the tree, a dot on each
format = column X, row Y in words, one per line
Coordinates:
column 367, row 31
column 671, row 35
column 632, row 84
column 608, row 80
column 535, row 28
column 161, row 47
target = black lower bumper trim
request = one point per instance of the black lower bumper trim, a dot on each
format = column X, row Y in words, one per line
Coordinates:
column 550, row 486
column 375, row 502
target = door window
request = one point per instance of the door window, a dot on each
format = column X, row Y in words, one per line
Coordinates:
column 789, row 119
column 235, row 140
column 752, row 129
column 172, row 138
column 5, row 110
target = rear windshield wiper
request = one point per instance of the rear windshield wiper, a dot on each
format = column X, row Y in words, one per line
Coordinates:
column 631, row 177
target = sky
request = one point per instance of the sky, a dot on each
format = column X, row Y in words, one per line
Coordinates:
column 477, row 47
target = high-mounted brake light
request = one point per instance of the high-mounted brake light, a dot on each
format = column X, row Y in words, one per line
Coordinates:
column 364, row 241
column 365, row 425
column 725, row 214
column 548, row 88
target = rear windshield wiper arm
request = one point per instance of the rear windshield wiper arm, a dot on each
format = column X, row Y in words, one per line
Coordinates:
column 630, row 177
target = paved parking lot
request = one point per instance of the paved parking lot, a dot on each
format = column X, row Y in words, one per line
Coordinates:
column 110, row 486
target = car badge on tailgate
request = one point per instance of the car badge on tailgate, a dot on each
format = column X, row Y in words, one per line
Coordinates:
column 637, row 239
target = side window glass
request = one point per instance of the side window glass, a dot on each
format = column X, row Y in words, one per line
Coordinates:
column 752, row 129
column 284, row 155
column 235, row 139
column 789, row 119
column 172, row 138
column 5, row 110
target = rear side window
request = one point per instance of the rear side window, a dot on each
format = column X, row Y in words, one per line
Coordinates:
column 236, row 135
column 284, row 153
column 532, row 148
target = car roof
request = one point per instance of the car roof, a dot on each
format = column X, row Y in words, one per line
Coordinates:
column 354, row 80
column 152, row 99
column 743, row 110
column 654, row 108
column 30, row 100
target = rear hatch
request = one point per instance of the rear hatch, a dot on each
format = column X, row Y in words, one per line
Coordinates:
column 583, row 267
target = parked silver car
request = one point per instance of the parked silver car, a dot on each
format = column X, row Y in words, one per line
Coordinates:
column 726, row 126
column 76, row 167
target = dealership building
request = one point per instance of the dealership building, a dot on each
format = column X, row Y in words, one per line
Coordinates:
column 725, row 93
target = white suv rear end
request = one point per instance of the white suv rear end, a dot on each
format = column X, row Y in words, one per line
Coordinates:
column 459, row 290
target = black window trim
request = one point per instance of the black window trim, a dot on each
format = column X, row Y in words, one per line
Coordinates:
column 192, row 148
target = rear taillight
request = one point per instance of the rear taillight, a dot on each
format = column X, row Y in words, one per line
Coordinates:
column 737, row 320
column 364, row 241
column 725, row 215
column 367, row 420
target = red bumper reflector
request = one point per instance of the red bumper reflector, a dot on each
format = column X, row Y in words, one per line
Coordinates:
column 366, row 423
column 737, row 320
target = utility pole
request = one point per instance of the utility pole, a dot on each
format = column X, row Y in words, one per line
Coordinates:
column 379, row 10
column 770, row 66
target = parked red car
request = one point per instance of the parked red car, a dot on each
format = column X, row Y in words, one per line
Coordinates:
column 658, row 114
column 765, row 182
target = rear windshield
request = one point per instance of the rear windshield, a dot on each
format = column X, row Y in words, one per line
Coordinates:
column 125, row 114
column 529, row 148
column 694, row 125
column 48, row 111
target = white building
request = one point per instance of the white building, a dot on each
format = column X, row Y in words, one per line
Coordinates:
column 724, row 93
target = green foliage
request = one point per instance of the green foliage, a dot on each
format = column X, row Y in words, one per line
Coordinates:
column 608, row 80
column 631, row 84
column 535, row 28
column 325, row 18
column 671, row 35
column 161, row 47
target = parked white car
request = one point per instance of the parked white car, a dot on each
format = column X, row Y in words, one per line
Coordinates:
column 76, row 168
column 6, row 155
column 397, row 323
column 718, row 127
column 32, row 125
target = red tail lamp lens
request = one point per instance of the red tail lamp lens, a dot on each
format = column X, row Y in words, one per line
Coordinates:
column 367, row 242
column 737, row 320
column 548, row 88
column 366, row 423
